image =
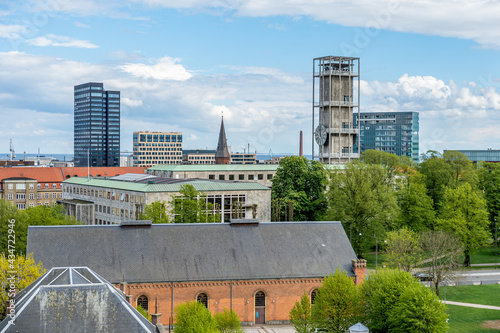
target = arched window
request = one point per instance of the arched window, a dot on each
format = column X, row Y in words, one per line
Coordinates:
column 203, row 299
column 260, row 299
column 143, row 302
column 313, row 295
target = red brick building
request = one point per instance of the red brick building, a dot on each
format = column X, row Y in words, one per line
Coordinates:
column 257, row 269
column 34, row 186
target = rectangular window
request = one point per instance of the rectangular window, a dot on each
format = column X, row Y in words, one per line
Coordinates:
column 32, row 186
column 39, row 186
column 20, row 196
column 211, row 176
column 32, row 196
column 39, row 195
column 250, row 177
column 11, row 196
column 270, row 176
column 241, row 177
column 20, row 186
column 54, row 195
column 11, row 186
column 46, row 195
column 231, row 177
column 222, row 177
column 260, row 176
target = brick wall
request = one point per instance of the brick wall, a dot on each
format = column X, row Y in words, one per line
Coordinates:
column 281, row 296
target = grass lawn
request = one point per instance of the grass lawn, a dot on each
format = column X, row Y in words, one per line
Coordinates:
column 464, row 319
column 487, row 294
column 484, row 255
column 469, row 320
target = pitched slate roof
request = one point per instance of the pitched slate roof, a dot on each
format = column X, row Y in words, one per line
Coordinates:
column 74, row 299
column 197, row 252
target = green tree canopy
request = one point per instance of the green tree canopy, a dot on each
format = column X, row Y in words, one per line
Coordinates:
column 371, row 156
column 464, row 213
column 338, row 304
column 403, row 249
column 302, row 181
column 156, row 212
column 417, row 209
column 194, row 317
column 227, row 321
column 38, row 215
column 191, row 207
column 362, row 197
column 438, row 175
column 418, row 310
column 386, row 292
column 489, row 177
column 300, row 315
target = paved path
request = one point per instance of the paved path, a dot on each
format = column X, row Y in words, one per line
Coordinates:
column 472, row 305
column 270, row 329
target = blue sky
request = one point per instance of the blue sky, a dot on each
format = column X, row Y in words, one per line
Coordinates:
column 180, row 64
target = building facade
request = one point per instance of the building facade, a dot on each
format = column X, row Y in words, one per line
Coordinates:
column 336, row 95
column 123, row 198
column 392, row 132
column 251, row 268
column 259, row 173
column 198, row 156
column 485, row 155
column 32, row 186
column 152, row 148
column 96, row 126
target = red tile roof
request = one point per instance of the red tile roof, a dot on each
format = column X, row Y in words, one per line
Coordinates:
column 57, row 175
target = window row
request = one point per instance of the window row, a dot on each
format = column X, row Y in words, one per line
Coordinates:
column 260, row 176
column 112, row 195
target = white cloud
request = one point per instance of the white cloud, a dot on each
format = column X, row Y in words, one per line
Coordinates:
column 259, row 107
column 475, row 20
column 10, row 31
column 55, row 40
column 81, row 25
column 165, row 68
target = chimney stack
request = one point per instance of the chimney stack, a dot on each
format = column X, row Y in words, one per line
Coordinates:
column 301, row 145
column 359, row 267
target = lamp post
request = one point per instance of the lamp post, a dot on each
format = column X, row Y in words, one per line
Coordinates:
column 496, row 244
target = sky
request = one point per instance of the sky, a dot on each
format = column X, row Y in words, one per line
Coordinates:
column 180, row 65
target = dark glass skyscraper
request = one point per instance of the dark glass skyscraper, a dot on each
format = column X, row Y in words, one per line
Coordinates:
column 97, row 126
column 393, row 132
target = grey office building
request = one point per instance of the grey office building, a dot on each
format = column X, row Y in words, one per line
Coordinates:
column 392, row 132
column 485, row 155
column 97, row 126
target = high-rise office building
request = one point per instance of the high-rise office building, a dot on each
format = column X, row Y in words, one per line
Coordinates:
column 152, row 148
column 97, row 126
column 392, row 132
column 336, row 91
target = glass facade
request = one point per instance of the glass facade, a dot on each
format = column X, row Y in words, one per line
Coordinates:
column 488, row 155
column 393, row 132
column 96, row 126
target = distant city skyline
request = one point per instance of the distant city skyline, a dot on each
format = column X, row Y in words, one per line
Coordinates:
column 180, row 65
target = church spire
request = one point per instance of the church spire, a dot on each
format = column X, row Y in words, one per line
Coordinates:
column 222, row 153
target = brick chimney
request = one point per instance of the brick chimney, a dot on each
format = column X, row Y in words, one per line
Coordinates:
column 359, row 267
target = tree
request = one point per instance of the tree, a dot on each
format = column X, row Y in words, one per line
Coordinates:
column 362, row 197
column 443, row 251
column 489, row 182
column 38, row 215
column 438, row 175
column 194, row 317
column 403, row 249
column 417, row 210
column 143, row 312
column 156, row 212
column 300, row 315
column 418, row 310
column 191, row 207
column 302, row 181
column 371, row 156
column 227, row 321
column 26, row 270
column 387, row 291
column 337, row 305
column 463, row 212
column 462, row 167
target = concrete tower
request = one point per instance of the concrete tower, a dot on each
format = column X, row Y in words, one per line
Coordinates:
column 336, row 91
column 222, row 153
